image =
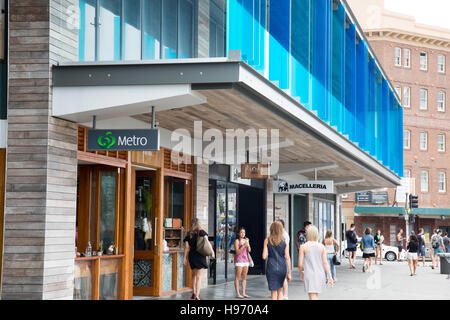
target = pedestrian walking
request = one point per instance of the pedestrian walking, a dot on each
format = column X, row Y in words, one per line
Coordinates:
column 437, row 245
column 241, row 262
column 446, row 241
column 196, row 260
column 287, row 239
column 352, row 243
column 379, row 239
column 412, row 250
column 276, row 253
column 332, row 248
column 421, row 238
column 301, row 235
column 313, row 264
column 400, row 239
column 367, row 245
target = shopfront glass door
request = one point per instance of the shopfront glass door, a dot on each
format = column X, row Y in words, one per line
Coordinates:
column 144, row 234
column 226, row 214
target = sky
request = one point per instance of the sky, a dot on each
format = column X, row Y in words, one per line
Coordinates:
column 431, row 12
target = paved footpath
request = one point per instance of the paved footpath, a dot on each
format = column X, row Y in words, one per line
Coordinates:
column 390, row 281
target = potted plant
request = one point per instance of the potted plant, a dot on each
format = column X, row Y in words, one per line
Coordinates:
column 100, row 249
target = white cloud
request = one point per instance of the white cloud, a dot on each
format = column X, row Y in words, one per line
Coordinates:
column 430, row 12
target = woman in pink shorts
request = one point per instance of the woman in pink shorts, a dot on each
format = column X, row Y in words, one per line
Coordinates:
column 241, row 262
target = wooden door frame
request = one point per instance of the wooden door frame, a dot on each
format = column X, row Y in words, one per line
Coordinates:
column 144, row 291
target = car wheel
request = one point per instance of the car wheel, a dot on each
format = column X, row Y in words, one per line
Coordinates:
column 390, row 256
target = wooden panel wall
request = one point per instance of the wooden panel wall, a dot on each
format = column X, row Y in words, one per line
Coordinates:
column 42, row 156
column 2, row 204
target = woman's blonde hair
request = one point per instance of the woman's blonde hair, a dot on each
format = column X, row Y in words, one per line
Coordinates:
column 329, row 234
column 312, row 234
column 276, row 233
column 195, row 227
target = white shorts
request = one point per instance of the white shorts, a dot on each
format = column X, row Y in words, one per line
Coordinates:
column 412, row 256
column 241, row 264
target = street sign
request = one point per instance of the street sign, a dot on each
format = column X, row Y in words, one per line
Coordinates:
column 364, row 196
column 123, row 140
column 379, row 198
column 314, row 186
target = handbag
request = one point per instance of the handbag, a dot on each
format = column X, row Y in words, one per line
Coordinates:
column 251, row 264
column 336, row 260
column 204, row 247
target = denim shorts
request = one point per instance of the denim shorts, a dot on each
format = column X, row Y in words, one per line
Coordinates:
column 421, row 251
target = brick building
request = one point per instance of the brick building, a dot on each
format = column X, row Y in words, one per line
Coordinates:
column 415, row 57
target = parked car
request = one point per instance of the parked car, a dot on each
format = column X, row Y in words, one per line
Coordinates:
column 389, row 253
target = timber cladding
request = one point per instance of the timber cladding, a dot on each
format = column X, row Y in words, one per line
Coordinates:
column 41, row 165
column 2, row 204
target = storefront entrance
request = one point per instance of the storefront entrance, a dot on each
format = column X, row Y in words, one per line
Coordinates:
column 233, row 206
column 144, row 234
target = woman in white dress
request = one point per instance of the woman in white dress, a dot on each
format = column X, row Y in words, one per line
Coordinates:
column 312, row 262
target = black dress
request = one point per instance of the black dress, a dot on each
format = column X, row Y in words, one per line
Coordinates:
column 196, row 260
column 276, row 270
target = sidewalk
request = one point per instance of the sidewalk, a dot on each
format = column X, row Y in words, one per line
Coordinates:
column 391, row 281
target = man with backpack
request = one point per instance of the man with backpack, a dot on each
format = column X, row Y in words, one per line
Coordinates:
column 437, row 245
column 352, row 243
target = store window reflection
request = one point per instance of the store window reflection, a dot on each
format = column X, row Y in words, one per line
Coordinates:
column 132, row 30
column 108, row 207
column 143, row 214
column 109, row 30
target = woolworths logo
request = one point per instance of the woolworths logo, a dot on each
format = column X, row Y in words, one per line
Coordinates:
column 107, row 141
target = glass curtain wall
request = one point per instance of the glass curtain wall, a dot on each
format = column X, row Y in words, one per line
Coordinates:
column 112, row 30
column 319, row 57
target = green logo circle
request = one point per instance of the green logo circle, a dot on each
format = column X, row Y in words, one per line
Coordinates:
column 106, row 141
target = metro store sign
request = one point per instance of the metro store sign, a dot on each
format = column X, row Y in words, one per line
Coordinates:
column 123, row 140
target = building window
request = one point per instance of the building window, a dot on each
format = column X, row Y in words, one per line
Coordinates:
column 407, row 173
column 442, row 183
column 406, row 139
column 423, row 99
column 424, row 181
column 399, row 91
column 441, row 101
column 441, row 63
column 217, row 34
column 441, row 142
column 398, row 57
column 423, row 61
column 423, row 141
column 407, row 97
column 406, row 58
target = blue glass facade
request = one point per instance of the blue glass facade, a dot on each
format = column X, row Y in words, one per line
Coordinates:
column 310, row 48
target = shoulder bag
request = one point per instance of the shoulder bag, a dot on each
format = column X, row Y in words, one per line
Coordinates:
column 203, row 246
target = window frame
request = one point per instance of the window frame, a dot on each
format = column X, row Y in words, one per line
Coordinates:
column 398, row 57
column 404, row 97
column 427, row 182
column 439, row 101
column 426, row 99
column 405, row 50
column 426, row 141
column 443, row 63
column 444, row 182
column 443, row 142
column 407, row 133
column 426, row 61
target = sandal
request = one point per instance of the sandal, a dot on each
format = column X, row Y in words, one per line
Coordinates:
column 240, row 297
column 246, row 296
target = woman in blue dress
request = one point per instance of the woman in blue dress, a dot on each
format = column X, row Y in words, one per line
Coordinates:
column 278, row 260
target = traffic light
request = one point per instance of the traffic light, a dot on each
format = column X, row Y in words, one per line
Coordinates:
column 413, row 201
